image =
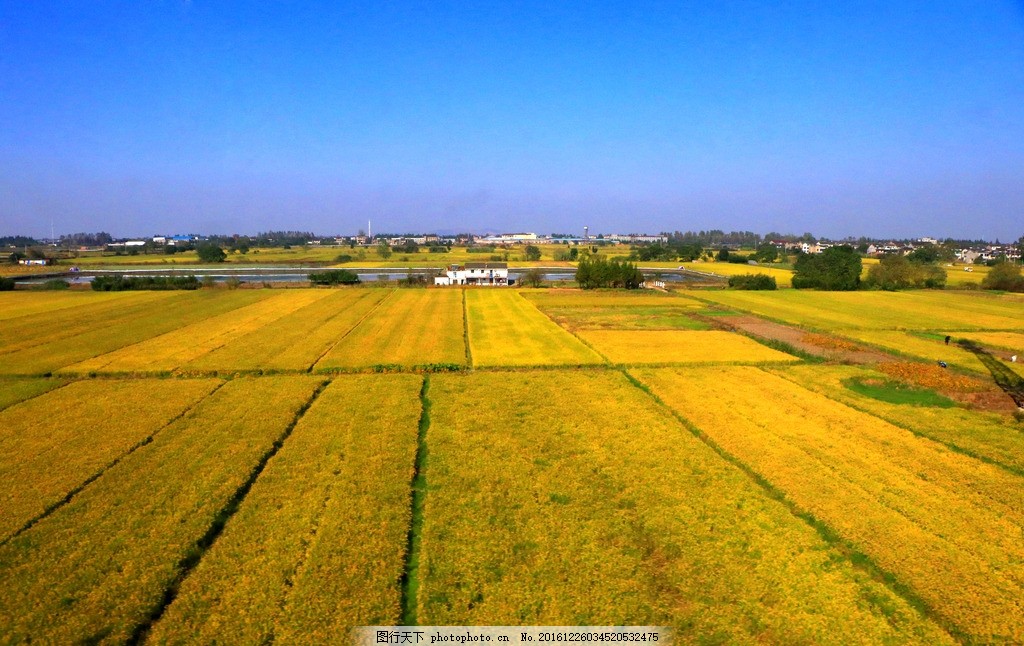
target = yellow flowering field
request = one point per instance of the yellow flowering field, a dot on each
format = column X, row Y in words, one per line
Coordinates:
column 507, row 330
column 989, row 436
column 98, row 567
column 13, row 391
column 185, row 344
column 297, row 340
column 540, row 510
column 318, row 544
column 412, row 327
column 114, row 330
column 911, row 310
column 946, row 525
column 679, row 346
column 51, row 444
column 912, row 345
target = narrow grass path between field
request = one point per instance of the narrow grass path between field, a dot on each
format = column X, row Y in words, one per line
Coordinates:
column 410, row 576
column 70, row 495
column 850, row 551
column 188, row 563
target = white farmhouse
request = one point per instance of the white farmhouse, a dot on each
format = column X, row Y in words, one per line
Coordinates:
column 475, row 273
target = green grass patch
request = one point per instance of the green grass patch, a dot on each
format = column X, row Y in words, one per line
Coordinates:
column 895, row 392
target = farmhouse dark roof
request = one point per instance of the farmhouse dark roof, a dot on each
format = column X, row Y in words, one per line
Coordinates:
column 486, row 265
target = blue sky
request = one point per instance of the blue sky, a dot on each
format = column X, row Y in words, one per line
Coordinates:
column 889, row 119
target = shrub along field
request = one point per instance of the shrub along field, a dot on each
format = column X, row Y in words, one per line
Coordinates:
column 227, row 465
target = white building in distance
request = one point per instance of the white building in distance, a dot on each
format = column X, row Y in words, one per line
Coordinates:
column 475, row 273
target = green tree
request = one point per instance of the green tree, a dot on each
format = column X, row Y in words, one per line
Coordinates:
column 532, row 252
column 596, row 271
column 766, row 253
column 835, row 269
column 1004, row 276
column 532, row 278
column 898, row 272
column 209, row 252
column 927, row 253
column 384, row 249
column 753, row 281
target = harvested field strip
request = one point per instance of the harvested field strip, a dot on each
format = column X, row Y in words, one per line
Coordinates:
column 174, row 349
column 679, row 346
column 52, row 444
column 533, row 499
column 987, row 436
column 911, row 310
column 13, row 391
column 506, row 330
column 20, row 334
column 942, row 523
column 114, row 332
column 18, row 307
column 625, row 318
column 922, row 348
column 547, row 298
column 413, row 327
column 295, row 341
column 137, row 524
column 318, row 543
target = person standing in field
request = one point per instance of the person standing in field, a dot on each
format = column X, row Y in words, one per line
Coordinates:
column 947, row 339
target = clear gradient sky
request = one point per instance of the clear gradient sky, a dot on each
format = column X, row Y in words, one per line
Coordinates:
column 888, row 119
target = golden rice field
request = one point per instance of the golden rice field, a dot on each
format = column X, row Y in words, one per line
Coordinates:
column 932, row 349
column 909, row 310
column 553, row 298
column 297, row 340
column 140, row 519
column 783, row 277
column 1010, row 341
column 613, row 513
column 944, row 524
column 506, row 330
column 979, row 433
column 55, row 443
column 258, row 466
column 679, row 346
column 410, row 327
column 13, row 391
column 318, row 543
